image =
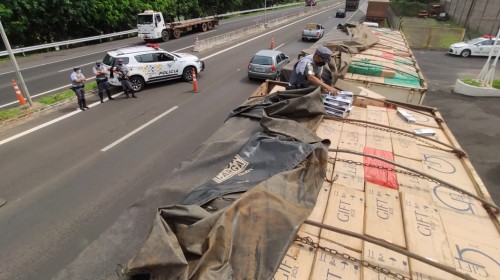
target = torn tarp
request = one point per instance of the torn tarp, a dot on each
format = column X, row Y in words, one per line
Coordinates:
column 239, row 223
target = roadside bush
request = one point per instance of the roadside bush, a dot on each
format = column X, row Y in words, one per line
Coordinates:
column 407, row 9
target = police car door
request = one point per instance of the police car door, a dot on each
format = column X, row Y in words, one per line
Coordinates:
column 169, row 65
column 483, row 48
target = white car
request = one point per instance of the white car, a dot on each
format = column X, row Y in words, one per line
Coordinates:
column 476, row 47
column 150, row 64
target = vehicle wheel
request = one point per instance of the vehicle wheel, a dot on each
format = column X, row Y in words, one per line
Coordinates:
column 209, row 25
column 187, row 74
column 177, row 33
column 165, row 36
column 137, row 83
column 465, row 53
column 204, row 27
column 303, row 39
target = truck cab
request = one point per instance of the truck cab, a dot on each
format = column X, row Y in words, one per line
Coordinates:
column 151, row 26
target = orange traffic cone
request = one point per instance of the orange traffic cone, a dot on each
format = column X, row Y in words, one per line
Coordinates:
column 20, row 97
column 272, row 43
column 195, row 84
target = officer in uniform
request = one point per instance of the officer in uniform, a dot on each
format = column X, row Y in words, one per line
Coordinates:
column 307, row 71
column 123, row 73
column 100, row 72
column 77, row 85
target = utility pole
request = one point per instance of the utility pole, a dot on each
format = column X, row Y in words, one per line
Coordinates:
column 13, row 59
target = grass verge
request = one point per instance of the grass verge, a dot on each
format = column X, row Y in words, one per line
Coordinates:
column 10, row 113
column 472, row 82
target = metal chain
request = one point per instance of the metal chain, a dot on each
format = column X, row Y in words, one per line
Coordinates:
column 407, row 134
column 345, row 256
column 350, row 161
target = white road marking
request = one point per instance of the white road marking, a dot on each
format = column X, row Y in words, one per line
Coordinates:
column 138, row 129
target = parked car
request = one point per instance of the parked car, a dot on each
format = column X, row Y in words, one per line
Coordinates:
column 313, row 31
column 267, row 64
column 476, row 47
column 340, row 13
column 150, row 64
column 443, row 16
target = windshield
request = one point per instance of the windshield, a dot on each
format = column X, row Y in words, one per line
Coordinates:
column 145, row 19
column 474, row 41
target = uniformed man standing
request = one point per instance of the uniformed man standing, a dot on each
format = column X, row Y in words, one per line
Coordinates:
column 123, row 73
column 77, row 85
column 307, row 71
column 100, row 72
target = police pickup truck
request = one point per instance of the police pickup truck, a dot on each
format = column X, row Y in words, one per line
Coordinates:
column 313, row 31
column 150, row 64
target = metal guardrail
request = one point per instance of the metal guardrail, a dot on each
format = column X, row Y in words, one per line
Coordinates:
column 56, row 45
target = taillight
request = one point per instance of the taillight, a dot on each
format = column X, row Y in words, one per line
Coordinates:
column 273, row 68
column 249, row 66
column 317, row 33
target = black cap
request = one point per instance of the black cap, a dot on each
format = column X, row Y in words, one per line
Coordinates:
column 76, row 68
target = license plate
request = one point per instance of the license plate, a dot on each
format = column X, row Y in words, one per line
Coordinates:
column 259, row 69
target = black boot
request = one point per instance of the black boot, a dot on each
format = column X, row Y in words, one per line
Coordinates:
column 85, row 104
column 101, row 97
column 126, row 94
column 109, row 95
column 133, row 94
column 80, row 104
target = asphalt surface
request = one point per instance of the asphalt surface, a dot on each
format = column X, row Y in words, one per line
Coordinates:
column 474, row 121
column 64, row 192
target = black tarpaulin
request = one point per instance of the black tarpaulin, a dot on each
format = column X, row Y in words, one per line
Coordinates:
column 256, row 185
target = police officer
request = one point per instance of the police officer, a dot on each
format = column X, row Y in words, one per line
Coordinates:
column 307, row 71
column 100, row 72
column 123, row 74
column 77, row 85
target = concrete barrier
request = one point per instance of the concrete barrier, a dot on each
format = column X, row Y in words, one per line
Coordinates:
column 215, row 41
column 465, row 89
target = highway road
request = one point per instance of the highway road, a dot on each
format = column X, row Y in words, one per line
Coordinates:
column 68, row 182
column 48, row 73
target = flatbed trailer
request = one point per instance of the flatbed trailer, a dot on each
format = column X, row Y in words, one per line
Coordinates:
column 360, row 197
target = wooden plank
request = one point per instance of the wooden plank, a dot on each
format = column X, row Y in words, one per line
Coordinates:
column 349, row 174
column 422, row 271
column 383, row 217
column 346, row 208
column 318, row 211
column 298, row 261
column 376, row 255
column 328, row 266
column 424, row 231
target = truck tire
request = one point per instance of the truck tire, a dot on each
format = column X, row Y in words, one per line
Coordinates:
column 204, row 27
column 177, row 33
column 137, row 83
column 165, row 36
column 209, row 25
column 187, row 74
